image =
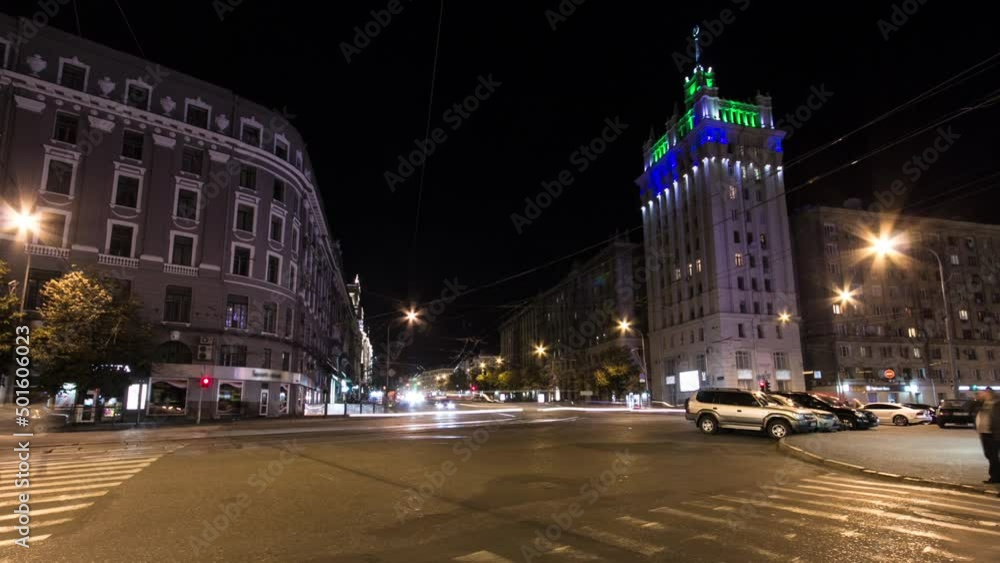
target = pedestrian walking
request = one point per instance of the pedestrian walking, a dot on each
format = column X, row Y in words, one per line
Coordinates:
column 988, row 427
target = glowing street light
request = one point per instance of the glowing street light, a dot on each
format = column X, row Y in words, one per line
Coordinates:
column 540, row 350
column 411, row 316
column 25, row 223
column 785, row 317
column 845, row 295
column 499, row 361
column 624, row 325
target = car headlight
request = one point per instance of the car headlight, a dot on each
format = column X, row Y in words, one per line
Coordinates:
column 859, row 414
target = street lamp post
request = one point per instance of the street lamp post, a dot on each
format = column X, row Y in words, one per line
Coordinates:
column 625, row 326
column 26, row 223
column 411, row 317
column 884, row 246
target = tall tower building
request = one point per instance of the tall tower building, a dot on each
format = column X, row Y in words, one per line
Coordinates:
column 721, row 290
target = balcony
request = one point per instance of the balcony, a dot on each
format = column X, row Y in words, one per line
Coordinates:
column 119, row 261
column 180, row 270
column 42, row 250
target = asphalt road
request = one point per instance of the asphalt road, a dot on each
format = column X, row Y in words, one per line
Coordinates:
column 486, row 488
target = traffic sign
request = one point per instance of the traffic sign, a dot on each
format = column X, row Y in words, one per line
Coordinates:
column 889, row 374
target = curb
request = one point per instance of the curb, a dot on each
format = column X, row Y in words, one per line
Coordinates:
column 906, row 479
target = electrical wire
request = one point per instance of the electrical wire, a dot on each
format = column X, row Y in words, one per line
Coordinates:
column 129, row 25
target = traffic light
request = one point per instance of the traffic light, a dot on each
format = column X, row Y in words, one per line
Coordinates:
column 765, row 385
column 205, row 382
column 473, row 387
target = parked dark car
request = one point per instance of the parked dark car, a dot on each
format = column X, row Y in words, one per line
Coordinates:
column 850, row 418
column 956, row 411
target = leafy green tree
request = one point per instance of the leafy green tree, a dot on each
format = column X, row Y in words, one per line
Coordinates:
column 458, row 380
column 10, row 318
column 616, row 372
column 88, row 333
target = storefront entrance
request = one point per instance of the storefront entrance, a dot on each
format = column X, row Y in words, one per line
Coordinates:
column 264, row 394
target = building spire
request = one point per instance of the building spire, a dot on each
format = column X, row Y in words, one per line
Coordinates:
column 697, row 46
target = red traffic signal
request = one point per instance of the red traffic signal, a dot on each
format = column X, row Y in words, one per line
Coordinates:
column 473, row 387
column 205, row 382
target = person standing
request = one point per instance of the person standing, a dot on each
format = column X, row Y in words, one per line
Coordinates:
column 988, row 427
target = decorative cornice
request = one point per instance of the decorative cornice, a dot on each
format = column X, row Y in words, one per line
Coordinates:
column 212, row 267
column 29, row 104
column 164, row 141
column 85, row 248
column 217, row 156
column 105, row 125
column 151, row 258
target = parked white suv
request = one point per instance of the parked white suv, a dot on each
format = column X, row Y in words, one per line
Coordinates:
column 738, row 409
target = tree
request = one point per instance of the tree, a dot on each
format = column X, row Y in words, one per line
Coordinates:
column 458, row 380
column 10, row 317
column 617, row 372
column 89, row 333
column 488, row 380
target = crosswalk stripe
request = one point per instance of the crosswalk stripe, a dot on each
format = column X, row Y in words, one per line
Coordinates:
column 43, row 464
column 795, row 509
column 483, row 557
column 641, row 523
column 40, row 491
column 31, row 541
column 708, row 506
column 60, row 498
column 920, row 533
column 952, row 505
column 945, row 554
column 692, row 515
column 7, row 529
column 91, row 469
column 894, row 516
column 573, row 553
column 59, row 479
column 843, row 481
column 629, row 544
column 45, row 511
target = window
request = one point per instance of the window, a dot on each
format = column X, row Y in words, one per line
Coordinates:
column 972, row 261
column 250, row 135
column 746, row 216
column 292, row 271
column 779, row 332
column 837, row 309
column 192, row 160
column 182, row 251
column 954, row 260
column 831, row 250
column 245, row 218
column 278, row 192
column 271, row 318
column 763, row 241
column 739, row 259
column 59, row 177
column 834, row 268
column 845, row 351
column 991, row 355
column 739, row 283
column 697, row 265
column 743, row 359
column 770, row 308
column 736, row 236
column 177, row 304
column 4, row 48
column 765, row 263
column 233, row 355
column 830, row 229
column 753, row 284
column 736, row 215
column 759, row 194
column 780, row 360
column 187, row 204
column 120, row 242
column 741, row 331
column 196, row 115
column 756, row 307
column 66, row 129
column 132, row 142
column 963, row 314
column 753, row 260
column 289, row 315
column 52, row 229
column 876, row 291
column 285, row 361
column 746, row 194
column 273, row 268
column 248, row 177
column 911, row 332
column 127, row 192
column 237, row 307
column 73, row 76
column 732, row 192
column 266, row 361
column 241, row 261
column 760, row 332
column 767, row 284
column 281, row 149
column 916, row 352
column 137, row 96
column 743, row 306
column 277, row 232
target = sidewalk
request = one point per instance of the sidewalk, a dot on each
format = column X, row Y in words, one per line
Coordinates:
column 950, row 456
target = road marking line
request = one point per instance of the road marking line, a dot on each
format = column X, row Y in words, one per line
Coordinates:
column 945, row 554
column 573, row 553
column 706, row 537
column 629, row 544
column 894, row 516
column 5, row 529
column 61, row 498
column 768, row 554
column 33, row 541
column 60, row 479
column 912, row 499
column 44, row 511
column 911, row 496
column 642, row 523
column 708, row 506
column 43, row 464
column 483, row 557
column 919, row 533
column 65, row 489
column 692, row 515
column 843, row 481
column 795, row 509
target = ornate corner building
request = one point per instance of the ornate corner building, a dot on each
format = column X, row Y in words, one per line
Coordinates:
column 721, row 290
column 201, row 202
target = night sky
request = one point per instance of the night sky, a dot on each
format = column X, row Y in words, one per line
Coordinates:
column 557, row 87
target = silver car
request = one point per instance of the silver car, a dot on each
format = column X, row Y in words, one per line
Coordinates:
column 739, row 409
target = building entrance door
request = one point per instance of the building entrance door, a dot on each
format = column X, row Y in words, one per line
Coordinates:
column 264, row 395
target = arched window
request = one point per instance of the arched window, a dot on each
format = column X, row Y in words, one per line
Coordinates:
column 173, row 353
